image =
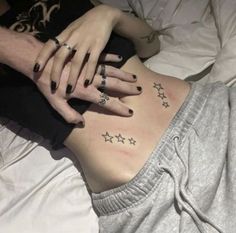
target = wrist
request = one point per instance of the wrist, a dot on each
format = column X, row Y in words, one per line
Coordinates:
column 19, row 51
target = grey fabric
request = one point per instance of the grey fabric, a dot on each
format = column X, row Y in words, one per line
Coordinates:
column 188, row 183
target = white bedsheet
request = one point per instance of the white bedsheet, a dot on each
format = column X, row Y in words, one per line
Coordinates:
column 40, row 190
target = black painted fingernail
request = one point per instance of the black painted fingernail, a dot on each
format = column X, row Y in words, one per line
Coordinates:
column 134, row 76
column 131, row 111
column 81, row 124
column 86, row 83
column 53, row 86
column 139, row 88
column 68, row 89
column 120, row 57
column 36, row 68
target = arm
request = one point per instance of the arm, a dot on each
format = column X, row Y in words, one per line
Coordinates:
column 19, row 50
column 143, row 36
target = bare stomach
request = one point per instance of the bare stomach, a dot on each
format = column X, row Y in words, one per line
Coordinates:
column 113, row 149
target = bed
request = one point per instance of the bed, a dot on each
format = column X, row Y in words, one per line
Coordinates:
column 42, row 190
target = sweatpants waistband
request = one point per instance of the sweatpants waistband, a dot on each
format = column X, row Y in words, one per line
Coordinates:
column 141, row 186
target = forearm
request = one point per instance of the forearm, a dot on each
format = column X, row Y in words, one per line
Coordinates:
column 18, row 50
column 143, row 36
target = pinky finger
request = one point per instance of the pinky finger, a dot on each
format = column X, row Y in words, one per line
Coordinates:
column 109, row 57
column 46, row 52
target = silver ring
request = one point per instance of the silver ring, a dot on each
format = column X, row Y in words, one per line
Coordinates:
column 103, row 99
column 103, row 70
column 103, row 84
column 56, row 41
column 69, row 47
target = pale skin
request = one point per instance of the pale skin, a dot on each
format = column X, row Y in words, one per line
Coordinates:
column 19, row 51
column 107, row 162
column 110, row 148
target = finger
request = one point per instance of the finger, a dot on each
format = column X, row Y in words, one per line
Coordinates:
column 108, row 57
column 76, row 67
column 112, row 104
column 46, row 52
column 92, row 64
column 117, row 73
column 112, row 84
column 68, row 113
column 59, row 61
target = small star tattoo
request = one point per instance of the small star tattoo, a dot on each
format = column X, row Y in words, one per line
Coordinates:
column 165, row 104
column 161, row 95
column 158, row 86
column 107, row 137
column 120, row 138
column 132, row 141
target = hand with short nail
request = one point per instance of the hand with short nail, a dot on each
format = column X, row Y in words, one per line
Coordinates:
column 82, row 41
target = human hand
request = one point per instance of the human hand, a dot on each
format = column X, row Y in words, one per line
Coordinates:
column 125, row 84
column 83, row 39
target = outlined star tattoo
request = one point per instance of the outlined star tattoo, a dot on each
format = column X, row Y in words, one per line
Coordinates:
column 158, row 86
column 107, row 137
column 132, row 141
column 120, row 139
column 161, row 95
column 165, row 104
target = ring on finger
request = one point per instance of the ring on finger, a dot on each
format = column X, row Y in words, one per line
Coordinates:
column 103, row 84
column 103, row 99
column 69, row 47
column 103, row 70
column 56, row 41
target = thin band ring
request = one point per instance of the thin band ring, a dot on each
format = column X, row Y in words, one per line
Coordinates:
column 103, row 70
column 69, row 47
column 103, row 84
column 56, row 41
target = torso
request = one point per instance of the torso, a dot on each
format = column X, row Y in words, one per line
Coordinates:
column 112, row 149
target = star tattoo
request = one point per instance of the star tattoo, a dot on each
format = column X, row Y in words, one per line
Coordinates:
column 132, row 141
column 120, row 138
column 107, row 137
column 165, row 104
column 158, row 86
column 161, row 95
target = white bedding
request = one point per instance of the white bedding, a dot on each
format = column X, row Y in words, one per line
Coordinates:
column 40, row 190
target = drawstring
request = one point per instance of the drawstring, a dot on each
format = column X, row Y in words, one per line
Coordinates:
column 180, row 189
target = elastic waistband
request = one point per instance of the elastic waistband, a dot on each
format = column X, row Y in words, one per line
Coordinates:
column 116, row 200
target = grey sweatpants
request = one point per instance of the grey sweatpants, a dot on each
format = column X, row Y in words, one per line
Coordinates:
column 188, row 184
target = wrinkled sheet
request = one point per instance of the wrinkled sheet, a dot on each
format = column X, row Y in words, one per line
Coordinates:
column 42, row 190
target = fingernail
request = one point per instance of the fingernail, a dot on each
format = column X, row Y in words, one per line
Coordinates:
column 53, row 86
column 81, row 124
column 86, row 83
column 120, row 57
column 131, row 111
column 36, row 68
column 134, row 76
column 68, row 89
column 139, row 88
